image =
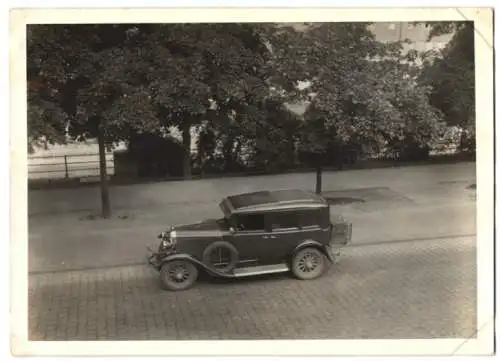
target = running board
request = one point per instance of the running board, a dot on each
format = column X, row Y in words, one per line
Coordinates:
column 260, row 270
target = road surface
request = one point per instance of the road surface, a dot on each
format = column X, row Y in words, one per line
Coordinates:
column 414, row 289
column 410, row 271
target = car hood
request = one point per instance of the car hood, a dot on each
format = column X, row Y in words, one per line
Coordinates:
column 205, row 228
column 205, row 225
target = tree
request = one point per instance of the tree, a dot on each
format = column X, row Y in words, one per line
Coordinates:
column 110, row 81
column 359, row 90
column 46, row 118
column 90, row 87
column 451, row 75
column 275, row 139
column 208, row 72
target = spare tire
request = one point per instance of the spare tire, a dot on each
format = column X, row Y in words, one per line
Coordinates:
column 222, row 256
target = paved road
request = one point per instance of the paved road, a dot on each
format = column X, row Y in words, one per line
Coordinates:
column 415, row 289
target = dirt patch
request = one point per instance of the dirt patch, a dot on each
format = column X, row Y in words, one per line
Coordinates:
column 363, row 198
column 366, row 195
column 93, row 217
column 459, row 183
column 452, row 182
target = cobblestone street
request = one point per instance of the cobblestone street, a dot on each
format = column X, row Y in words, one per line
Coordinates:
column 423, row 289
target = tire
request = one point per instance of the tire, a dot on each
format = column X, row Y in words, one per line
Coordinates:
column 178, row 275
column 223, row 245
column 308, row 263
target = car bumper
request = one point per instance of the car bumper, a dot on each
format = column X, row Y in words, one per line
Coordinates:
column 152, row 258
column 156, row 256
column 333, row 253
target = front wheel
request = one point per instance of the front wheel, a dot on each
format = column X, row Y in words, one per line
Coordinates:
column 308, row 264
column 178, row 275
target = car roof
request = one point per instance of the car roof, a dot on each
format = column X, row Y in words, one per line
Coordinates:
column 272, row 200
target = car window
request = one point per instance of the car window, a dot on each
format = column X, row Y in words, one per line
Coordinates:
column 284, row 220
column 251, row 222
column 311, row 219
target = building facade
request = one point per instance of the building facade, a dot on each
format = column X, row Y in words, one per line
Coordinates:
column 416, row 33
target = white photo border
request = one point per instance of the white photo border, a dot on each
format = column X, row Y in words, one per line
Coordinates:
column 483, row 344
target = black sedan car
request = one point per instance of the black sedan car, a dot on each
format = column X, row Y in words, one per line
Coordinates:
column 258, row 233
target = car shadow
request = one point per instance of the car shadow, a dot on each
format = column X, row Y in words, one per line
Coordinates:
column 207, row 279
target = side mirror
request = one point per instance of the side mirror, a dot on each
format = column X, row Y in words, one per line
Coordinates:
column 231, row 229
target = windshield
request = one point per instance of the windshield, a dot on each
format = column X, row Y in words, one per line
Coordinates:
column 224, row 208
column 223, row 223
column 225, row 220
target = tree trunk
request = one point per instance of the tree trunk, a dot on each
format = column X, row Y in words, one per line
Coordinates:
column 105, row 202
column 227, row 153
column 201, row 159
column 186, row 143
column 319, row 171
column 340, row 157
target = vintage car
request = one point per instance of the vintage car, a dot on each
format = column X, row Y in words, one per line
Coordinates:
column 258, row 233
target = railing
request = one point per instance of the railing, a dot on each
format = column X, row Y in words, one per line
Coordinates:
column 68, row 166
column 86, row 165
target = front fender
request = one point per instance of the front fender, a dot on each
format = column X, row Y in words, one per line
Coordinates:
column 315, row 244
column 194, row 261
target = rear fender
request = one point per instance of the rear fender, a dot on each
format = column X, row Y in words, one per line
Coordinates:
column 314, row 244
column 194, row 261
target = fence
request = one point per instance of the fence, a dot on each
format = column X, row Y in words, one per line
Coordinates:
column 68, row 166
column 85, row 166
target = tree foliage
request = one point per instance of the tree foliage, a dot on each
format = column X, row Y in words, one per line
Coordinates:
column 231, row 82
column 451, row 74
column 136, row 78
column 89, row 71
column 359, row 89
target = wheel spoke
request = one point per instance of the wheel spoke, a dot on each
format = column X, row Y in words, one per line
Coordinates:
column 178, row 272
column 309, row 262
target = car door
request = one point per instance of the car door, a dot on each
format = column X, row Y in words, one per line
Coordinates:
column 315, row 224
column 250, row 237
column 284, row 236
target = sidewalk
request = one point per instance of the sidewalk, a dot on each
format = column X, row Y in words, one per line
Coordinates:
column 166, row 195
column 173, row 212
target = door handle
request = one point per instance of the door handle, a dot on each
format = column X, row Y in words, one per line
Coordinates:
column 271, row 237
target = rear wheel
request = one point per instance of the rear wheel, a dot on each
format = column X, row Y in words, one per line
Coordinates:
column 308, row 264
column 178, row 275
